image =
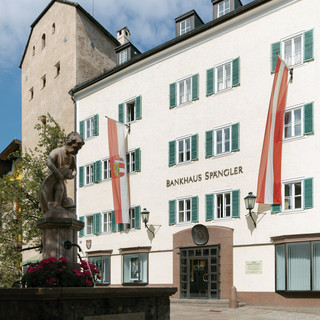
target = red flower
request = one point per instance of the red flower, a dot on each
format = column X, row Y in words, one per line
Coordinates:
column 51, row 281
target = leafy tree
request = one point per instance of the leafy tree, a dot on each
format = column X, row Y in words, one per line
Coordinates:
column 19, row 203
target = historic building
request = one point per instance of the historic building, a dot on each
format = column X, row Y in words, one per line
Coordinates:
column 195, row 109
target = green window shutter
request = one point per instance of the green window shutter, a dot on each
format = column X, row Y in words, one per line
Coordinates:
column 209, row 207
column 172, row 153
column 275, row 50
column 236, row 204
column 308, row 193
column 120, row 227
column 81, row 176
column 195, row 87
column 81, row 232
column 308, row 45
column 210, row 81
column 97, row 171
column 235, row 137
column 81, row 128
column 275, row 208
column 194, row 147
column 137, row 160
column 173, row 97
column 113, row 222
column 97, row 223
column 308, row 118
column 137, row 211
column 95, row 124
column 195, row 209
column 172, row 212
column 236, row 72
column 209, row 144
column 138, row 107
column 121, row 112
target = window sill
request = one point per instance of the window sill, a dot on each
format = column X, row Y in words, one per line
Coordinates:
column 137, row 283
column 292, row 211
column 285, row 140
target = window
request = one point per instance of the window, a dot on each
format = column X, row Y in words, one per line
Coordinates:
column 106, row 169
column 135, row 268
column 223, row 204
column 183, row 91
column 33, row 50
column 130, row 111
column 123, row 56
column 43, row 40
column 223, row 201
column 223, row 8
column 224, row 76
column 89, row 225
column 57, row 66
column 134, row 219
column 107, row 222
column 183, row 150
column 90, row 173
column 184, row 207
column 296, row 195
column 298, row 266
column 103, row 265
column 53, row 28
column 185, row 26
column 43, row 81
column 222, row 140
column 294, row 50
column 133, row 161
column 131, row 219
column 183, row 210
column 298, row 121
column 89, row 127
column 31, row 93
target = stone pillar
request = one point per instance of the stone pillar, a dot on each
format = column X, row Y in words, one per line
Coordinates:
column 233, row 298
column 55, row 232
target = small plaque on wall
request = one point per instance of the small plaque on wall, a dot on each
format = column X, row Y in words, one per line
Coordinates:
column 253, row 267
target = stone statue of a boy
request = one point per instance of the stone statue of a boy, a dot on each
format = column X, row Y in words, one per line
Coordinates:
column 61, row 162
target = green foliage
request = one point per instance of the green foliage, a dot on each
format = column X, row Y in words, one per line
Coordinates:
column 19, row 201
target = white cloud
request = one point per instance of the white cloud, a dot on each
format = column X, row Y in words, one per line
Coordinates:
column 151, row 22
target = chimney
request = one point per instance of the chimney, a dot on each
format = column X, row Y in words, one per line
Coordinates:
column 123, row 35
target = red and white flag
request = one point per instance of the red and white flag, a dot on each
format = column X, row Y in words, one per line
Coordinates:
column 117, row 152
column 269, row 181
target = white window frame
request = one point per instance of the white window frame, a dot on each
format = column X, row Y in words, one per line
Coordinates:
column 186, row 95
column 222, row 10
column 223, row 143
column 186, row 213
column 130, row 161
column 107, row 221
column 184, row 27
column 131, row 261
column 132, row 223
column 106, row 169
column 130, row 110
column 88, row 173
column 291, row 38
column 88, row 127
column 226, row 81
column 123, row 56
column 293, row 196
column 221, row 212
column 89, row 225
column 293, row 122
column 185, row 151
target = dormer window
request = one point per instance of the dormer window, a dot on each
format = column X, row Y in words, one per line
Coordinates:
column 123, row 56
column 223, row 8
column 185, row 26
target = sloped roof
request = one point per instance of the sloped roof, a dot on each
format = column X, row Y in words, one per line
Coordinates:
column 78, row 7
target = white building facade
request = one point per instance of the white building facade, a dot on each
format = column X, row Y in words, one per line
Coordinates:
column 197, row 108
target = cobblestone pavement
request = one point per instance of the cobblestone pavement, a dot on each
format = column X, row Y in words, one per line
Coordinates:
column 187, row 312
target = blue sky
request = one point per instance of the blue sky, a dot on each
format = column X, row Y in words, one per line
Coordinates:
column 151, row 23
